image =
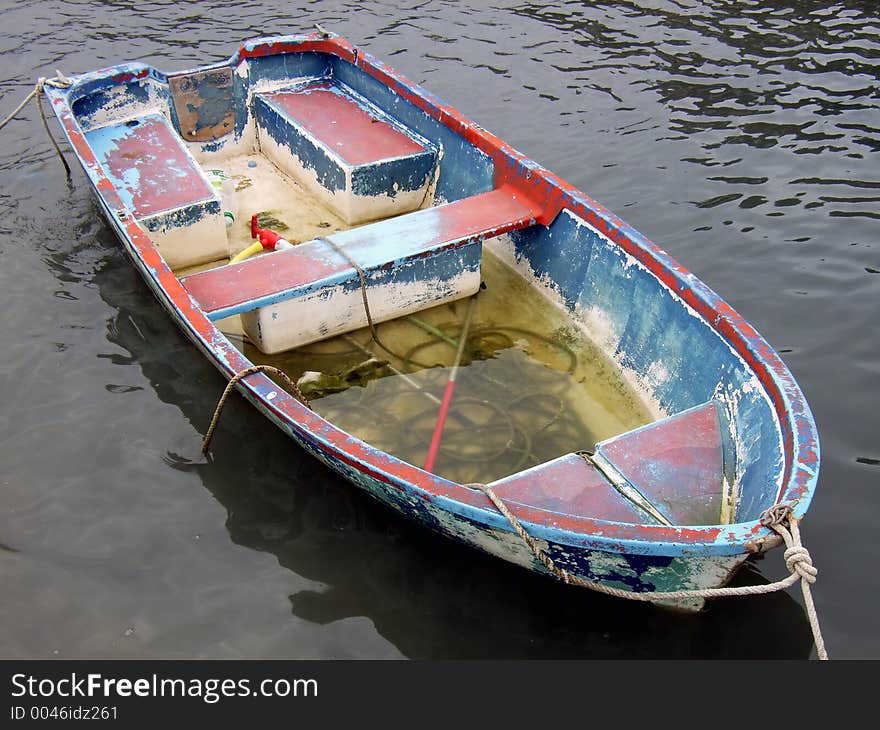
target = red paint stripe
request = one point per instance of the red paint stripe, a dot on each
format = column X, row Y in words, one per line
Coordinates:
column 480, row 216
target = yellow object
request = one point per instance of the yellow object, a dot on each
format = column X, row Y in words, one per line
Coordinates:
column 254, row 248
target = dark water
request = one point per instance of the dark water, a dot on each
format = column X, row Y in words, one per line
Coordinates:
column 742, row 137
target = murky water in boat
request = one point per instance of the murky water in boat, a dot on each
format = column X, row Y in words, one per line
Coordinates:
column 741, row 137
column 530, row 386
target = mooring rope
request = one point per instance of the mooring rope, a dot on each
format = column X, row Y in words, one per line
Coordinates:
column 231, row 384
column 59, row 81
column 797, row 560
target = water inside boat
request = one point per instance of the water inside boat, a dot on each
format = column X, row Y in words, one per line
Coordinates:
column 531, row 386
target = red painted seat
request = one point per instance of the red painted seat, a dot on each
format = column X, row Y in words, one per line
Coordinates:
column 670, row 471
column 149, row 166
column 162, row 185
column 678, row 465
column 356, row 158
column 346, row 128
column 569, row 485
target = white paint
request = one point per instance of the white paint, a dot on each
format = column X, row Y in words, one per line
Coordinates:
column 353, row 209
column 594, row 324
column 333, row 311
column 657, row 373
column 197, row 243
column 120, row 106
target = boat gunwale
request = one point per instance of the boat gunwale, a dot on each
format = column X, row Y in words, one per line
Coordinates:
column 800, row 440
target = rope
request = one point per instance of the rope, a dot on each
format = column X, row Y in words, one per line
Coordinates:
column 797, row 560
column 59, row 81
column 231, row 384
column 363, row 279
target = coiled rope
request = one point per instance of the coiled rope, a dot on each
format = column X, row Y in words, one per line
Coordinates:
column 779, row 518
column 59, row 81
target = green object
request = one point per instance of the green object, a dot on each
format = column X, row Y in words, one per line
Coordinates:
column 436, row 331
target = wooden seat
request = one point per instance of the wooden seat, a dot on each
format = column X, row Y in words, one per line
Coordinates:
column 678, row 464
column 255, row 282
column 150, row 168
column 164, row 187
column 671, row 471
column 311, row 292
column 569, row 485
column 354, row 157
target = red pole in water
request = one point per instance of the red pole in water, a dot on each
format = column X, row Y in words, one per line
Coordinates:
column 450, row 387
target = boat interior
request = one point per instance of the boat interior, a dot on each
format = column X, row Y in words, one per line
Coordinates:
column 297, row 197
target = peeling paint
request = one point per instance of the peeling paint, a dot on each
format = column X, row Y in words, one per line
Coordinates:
column 762, row 398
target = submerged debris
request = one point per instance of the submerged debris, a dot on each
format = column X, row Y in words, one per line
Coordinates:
column 267, row 219
column 314, row 384
column 531, row 386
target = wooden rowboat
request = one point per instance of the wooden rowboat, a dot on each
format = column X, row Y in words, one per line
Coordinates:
column 395, row 203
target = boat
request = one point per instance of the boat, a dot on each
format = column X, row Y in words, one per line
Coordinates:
column 393, row 205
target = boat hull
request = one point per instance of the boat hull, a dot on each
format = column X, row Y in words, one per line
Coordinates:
column 641, row 558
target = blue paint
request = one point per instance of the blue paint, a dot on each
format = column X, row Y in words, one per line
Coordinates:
column 97, row 93
column 381, row 271
column 215, row 101
column 383, row 177
column 655, row 331
column 286, row 67
column 103, row 142
column 464, row 170
column 389, row 177
column 182, row 217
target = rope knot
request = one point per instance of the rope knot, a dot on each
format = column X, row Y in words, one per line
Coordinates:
column 798, row 560
column 776, row 515
column 58, row 81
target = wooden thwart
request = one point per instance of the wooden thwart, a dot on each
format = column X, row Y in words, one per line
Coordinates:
column 255, row 282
